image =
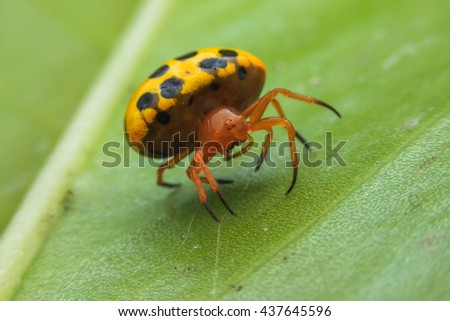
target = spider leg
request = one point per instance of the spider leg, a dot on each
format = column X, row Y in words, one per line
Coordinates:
column 197, row 166
column 171, row 164
column 280, row 112
column 246, row 148
column 193, row 172
column 264, row 149
column 243, row 150
column 257, row 109
column 228, row 156
column 267, row 124
column 255, row 112
column 219, row 180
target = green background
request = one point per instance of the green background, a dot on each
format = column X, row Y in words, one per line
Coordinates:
column 376, row 229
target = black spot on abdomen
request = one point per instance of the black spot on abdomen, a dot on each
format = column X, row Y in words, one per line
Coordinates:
column 147, row 100
column 171, row 87
column 211, row 64
column 214, row 86
column 228, row 53
column 159, row 72
column 242, row 73
column 163, row 117
column 186, row 56
column 191, row 100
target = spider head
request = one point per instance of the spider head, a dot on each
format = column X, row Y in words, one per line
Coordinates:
column 222, row 129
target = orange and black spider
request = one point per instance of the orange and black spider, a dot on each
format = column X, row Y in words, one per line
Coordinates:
column 207, row 102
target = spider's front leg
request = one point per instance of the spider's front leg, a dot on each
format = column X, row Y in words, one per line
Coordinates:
column 258, row 108
column 197, row 166
column 265, row 148
column 171, row 164
column 243, row 150
column 267, row 124
column 280, row 112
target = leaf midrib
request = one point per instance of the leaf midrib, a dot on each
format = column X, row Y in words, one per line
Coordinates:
column 30, row 224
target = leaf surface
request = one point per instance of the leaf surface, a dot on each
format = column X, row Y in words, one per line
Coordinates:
column 375, row 229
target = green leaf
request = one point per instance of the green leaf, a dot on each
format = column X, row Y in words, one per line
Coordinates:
column 375, row 229
column 51, row 52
